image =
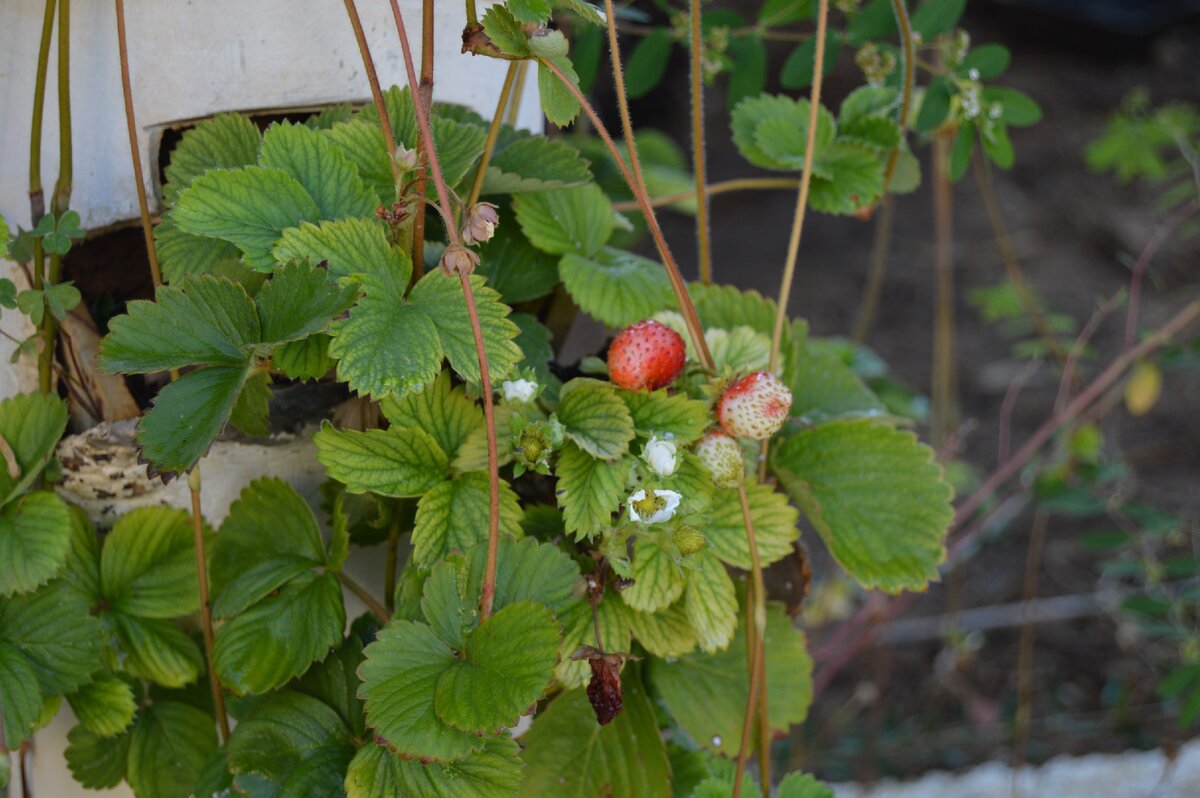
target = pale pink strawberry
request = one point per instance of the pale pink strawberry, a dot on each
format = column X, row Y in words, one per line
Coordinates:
column 755, row 407
column 722, row 456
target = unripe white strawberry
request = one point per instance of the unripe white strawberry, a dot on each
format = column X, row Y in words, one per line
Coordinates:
column 755, row 407
column 722, row 456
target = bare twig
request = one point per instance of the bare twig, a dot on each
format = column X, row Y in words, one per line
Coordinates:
column 699, row 158
column 1009, row 404
column 489, row 144
column 713, row 189
column 1033, row 565
column 205, row 608
column 1164, row 230
column 370, row 602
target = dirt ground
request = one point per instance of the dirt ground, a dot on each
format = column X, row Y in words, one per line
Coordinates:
column 904, row 709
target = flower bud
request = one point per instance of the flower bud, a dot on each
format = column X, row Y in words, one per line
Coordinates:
column 406, row 159
column 457, row 259
column 521, row 390
column 480, row 224
column 661, row 456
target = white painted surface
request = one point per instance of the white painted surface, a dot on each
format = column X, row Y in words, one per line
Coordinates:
column 17, row 377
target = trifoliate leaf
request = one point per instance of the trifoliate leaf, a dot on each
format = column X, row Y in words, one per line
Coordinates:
column 305, row 360
column 35, row 535
column 454, row 515
column 492, row 772
column 319, row 166
column 710, row 602
column 803, row 785
column 290, row 745
column 96, row 762
column 361, row 141
column 53, row 631
column 663, row 414
column 875, row 495
column 535, row 163
column 855, row 179
column 515, row 268
column 665, row 633
column 442, row 410
column 155, row 650
column 399, row 461
column 441, row 298
column 170, row 744
column 589, row 490
column 204, row 321
column 706, row 693
column 508, row 664
column 400, row 676
column 579, row 629
column 526, row 571
column 105, row 706
column 300, row 300
column 769, row 131
column 22, row 707
column 558, row 102
column 181, row 254
column 148, row 564
column 657, row 581
column 876, row 132
column 866, row 102
column 188, row 415
column 226, row 141
column 595, row 418
column 349, row 247
column 248, row 207
column 775, row 526
column 568, row 753
column 566, row 220
column 615, row 286
column 279, row 637
column 505, row 31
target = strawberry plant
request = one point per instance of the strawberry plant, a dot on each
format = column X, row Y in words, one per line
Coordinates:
column 573, row 558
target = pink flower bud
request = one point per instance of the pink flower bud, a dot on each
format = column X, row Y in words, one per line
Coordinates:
column 457, row 259
column 480, row 224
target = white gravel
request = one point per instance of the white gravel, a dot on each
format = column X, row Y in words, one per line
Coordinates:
column 1134, row 774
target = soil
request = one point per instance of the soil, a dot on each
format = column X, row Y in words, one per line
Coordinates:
column 903, row 709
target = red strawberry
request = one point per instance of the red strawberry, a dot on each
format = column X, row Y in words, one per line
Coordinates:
column 646, row 356
column 755, row 407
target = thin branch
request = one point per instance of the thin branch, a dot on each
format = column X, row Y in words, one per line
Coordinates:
column 1143, row 262
column 135, row 154
column 489, row 578
column 1077, row 349
column 489, row 144
column 370, row 602
column 37, row 199
column 389, row 567
column 713, row 189
column 205, row 608
column 944, row 404
column 514, row 108
column 422, row 94
column 1009, row 404
column 699, row 157
column 908, row 65
column 62, row 187
column 748, row 718
column 385, row 119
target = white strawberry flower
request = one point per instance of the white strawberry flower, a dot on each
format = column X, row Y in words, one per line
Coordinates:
column 653, row 508
column 521, row 390
column 661, row 456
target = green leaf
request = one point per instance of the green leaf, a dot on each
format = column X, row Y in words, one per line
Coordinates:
column 278, row 638
column 741, row 349
column 305, row 360
column 300, row 300
column 855, row 179
column 291, row 746
column 251, row 412
column 396, row 462
column 515, row 268
column 875, row 495
column 659, row 413
column 249, row 207
column 148, row 564
column 105, row 706
column 647, row 62
column 204, row 321
column 187, row 416
column 96, row 762
column 35, row 535
column 797, row 71
column 997, row 145
column 935, row 17
column 595, row 418
column 170, row 744
column 400, row 676
column 317, row 164
column 748, row 72
column 349, row 247
column 770, row 131
column 508, row 664
column 1017, row 109
column 459, row 147
column 803, row 785
column 579, row 629
column 824, row 386
column 727, row 307
column 30, row 425
column 441, row 297
column 361, row 140
column 706, row 693
column 710, row 602
column 987, row 62
column 526, row 570
column 155, row 650
column 335, row 682
column 589, row 490
column 566, row 220
column 531, row 11
column 558, row 103
column 22, row 705
column 775, row 526
column 535, row 163
column 657, row 581
column 616, row 287
column 56, row 635
column 935, row 106
column 226, row 141
column 568, row 753
column 665, row 633
column 442, row 410
column 62, row 297
column 505, row 31
column 588, row 44
column 960, row 156
column 454, row 515
column 875, row 21
column 181, row 254
column 492, row 772
column 386, row 346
